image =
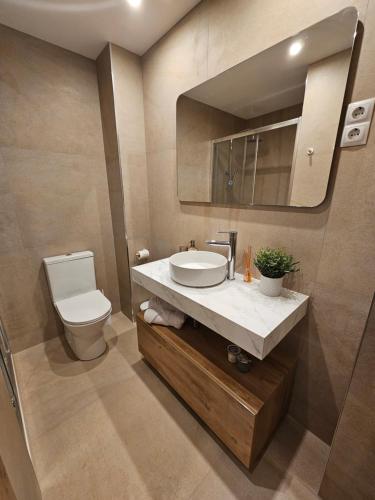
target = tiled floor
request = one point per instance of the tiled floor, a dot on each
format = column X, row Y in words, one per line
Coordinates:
column 111, row 429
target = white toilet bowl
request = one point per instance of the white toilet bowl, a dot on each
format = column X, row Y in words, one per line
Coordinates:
column 86, row 341
column 84, row 317
column 82, row 308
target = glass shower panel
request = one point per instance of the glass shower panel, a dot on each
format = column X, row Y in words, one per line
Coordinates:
column 221, row 160
column 248, row 170
column 274, row 165
column 233, row 170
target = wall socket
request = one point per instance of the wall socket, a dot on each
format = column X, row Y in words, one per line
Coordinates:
column 355, row 135
column 357, row 123
column 360, row 111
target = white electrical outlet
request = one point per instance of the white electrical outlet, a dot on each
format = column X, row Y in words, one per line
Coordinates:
column 360, row 111
column 355, row 135
column 357, row 123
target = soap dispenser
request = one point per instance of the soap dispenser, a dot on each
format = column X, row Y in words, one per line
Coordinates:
column 192, row 247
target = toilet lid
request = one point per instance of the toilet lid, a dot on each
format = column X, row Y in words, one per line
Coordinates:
column 85, row 308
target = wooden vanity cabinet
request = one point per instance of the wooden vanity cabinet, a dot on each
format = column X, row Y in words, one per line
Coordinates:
column 242, row 409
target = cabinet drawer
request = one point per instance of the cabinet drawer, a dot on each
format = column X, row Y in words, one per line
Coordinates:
column 242, row 409
column 228, row 418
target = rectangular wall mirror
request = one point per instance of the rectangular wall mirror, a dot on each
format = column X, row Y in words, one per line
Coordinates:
column 264, row 131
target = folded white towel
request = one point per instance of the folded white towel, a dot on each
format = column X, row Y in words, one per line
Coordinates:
column 145, row 305
column 161, row 313
column 160, row 305
column 166, row 318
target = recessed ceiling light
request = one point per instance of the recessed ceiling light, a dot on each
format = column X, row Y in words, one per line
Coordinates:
column 134, row 3
column 295, row 48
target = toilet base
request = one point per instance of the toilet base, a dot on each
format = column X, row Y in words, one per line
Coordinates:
column 86, row 341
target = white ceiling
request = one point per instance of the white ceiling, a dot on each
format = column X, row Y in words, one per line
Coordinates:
column 85, row 26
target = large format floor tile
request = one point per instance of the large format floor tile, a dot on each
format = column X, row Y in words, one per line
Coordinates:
column 112, row 429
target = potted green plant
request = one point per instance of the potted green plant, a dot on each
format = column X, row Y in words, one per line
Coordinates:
column 273, row 264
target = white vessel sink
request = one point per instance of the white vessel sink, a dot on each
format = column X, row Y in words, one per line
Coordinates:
column 198, row 269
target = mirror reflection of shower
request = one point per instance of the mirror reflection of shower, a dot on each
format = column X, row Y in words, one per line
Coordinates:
column 254, row 166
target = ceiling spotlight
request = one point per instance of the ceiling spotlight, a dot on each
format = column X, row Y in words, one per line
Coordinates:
column 134, row 3
column 295, row 48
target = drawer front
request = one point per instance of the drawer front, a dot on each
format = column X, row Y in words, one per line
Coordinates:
column 225, row 416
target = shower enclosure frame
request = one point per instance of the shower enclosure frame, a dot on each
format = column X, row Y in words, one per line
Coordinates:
column 256, row 131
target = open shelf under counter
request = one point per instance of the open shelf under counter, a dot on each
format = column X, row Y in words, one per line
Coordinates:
column 236, row 310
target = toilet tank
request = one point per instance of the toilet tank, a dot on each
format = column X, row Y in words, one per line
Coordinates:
column 70, row 274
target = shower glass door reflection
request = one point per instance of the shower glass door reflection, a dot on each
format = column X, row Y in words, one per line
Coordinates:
column 254, row 168
column 234, row 170
column 274, row 165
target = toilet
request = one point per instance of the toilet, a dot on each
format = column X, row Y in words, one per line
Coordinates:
column 82, row 308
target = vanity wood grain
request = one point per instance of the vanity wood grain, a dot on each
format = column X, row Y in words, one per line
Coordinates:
column 242, row 409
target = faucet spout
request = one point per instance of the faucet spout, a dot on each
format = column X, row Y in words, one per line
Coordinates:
column 218, row 243
column 231, row 244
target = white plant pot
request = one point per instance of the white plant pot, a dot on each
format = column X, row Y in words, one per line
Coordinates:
column 270, row 286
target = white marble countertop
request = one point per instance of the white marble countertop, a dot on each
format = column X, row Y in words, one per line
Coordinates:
column 236, row 310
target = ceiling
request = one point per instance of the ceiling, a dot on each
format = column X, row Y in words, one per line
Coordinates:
column 85, row 26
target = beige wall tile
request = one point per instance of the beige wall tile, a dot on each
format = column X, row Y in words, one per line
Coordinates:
column 121, row 90
column 10, row 234
column 350, row 232
column 354, row 478
column 114, row 175
column 332, row 241
column 328, row 347
column 175, row 64
column 54, row 187
column 166, row 218
column 365, row 75
column 130, row 125
column 136, row 196
column 40, row 81
column 128, row 96
column 26, row 307
column 196, row 125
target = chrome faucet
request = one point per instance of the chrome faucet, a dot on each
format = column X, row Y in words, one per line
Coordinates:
column 231, row 244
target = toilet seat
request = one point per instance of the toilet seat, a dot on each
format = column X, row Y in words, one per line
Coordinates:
column 84, row 309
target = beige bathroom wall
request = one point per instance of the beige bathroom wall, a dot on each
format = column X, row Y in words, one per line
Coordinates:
column 325, row 89
column 114, row 177
column 129, row 115
column 335, row 242
column 350, row 469
column 272, row 183
column 274, row 164
column 53, row 189
column 197, row 125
